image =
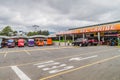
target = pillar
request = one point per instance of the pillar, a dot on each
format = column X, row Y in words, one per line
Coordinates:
column 59, row 40
column 73, row 37
column 99, row 37
column 65, row 40
column 83, row 35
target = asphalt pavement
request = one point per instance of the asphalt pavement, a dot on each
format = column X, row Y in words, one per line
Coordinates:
column 60, row 63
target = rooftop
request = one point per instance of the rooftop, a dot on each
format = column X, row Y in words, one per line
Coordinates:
column 96, row 25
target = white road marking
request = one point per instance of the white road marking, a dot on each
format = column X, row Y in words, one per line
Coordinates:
column 54, row 67
column 41, row 66
column 65, row 68
column 44, row 62
column 19, row 73
column 79, row 58
column 27, row 52
column 5, row 54
column 47, row 51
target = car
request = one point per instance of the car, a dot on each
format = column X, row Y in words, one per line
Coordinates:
column 92, row 42
column 21, row 42
column 31, row 43
column 80, row 42
column 10, row 43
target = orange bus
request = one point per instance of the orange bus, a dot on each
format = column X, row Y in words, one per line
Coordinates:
column 40, row 42
column 49, row 41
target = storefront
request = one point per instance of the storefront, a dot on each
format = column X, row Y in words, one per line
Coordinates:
column 103, row 32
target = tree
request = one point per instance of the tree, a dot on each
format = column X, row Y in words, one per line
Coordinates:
column 30, row 34
column 15, row 33
column 7, row 31
column 45, row 32
column 39, row 32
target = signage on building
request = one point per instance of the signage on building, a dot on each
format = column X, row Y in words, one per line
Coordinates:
column 100, row 28
column 109, row 27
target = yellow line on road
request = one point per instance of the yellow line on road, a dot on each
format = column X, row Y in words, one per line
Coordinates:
column 82, row 67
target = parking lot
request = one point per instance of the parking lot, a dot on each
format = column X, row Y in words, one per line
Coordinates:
column 60, row 63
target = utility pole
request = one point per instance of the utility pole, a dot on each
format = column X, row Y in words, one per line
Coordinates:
column 35, row 27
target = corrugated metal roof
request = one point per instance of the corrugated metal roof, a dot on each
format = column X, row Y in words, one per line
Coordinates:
column 96, row 25
column 42, row 36
column 4, row 36
column 38, row 36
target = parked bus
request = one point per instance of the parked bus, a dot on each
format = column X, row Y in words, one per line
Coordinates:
column 49, row 41
column 21, row 43
column 40, row 43
column 10, row 43
column 31, row 42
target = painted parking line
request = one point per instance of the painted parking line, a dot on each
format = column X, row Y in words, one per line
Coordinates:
column 19, row 73
column 53, row 66
column 51, row 61
column 80, row 58
column 36, row 49
column 27, row 52
column 61, row 57
column 64, row 69
column 39, row 49
column 5, row 54
column 79, row 68
column 67, row 57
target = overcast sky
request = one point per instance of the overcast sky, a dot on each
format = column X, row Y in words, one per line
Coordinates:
column 57, row 15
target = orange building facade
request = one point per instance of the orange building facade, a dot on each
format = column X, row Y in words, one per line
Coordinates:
column 106, row 31
column 101, row 28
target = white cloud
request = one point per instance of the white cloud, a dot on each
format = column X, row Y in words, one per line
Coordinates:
column 57, row 15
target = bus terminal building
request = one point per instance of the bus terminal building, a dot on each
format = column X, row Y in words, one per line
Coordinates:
column 102, row 32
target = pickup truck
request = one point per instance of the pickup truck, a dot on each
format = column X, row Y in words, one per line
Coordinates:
column 80, row 42
column 92, row 42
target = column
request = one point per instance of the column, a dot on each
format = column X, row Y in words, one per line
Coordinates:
column 99, row 37
column 83, row 35
column 73, row 37
column 65, row 40
column 59, row 40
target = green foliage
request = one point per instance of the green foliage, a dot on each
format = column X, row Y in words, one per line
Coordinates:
column 15, row 33
column 6, row 31
column 45, row 32
column 30, row 34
